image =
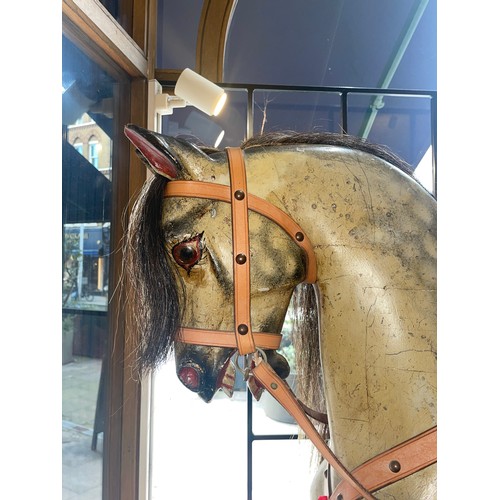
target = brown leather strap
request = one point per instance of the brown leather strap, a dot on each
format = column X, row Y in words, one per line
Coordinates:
column 282, row 393
column 217, row 338
column 241, row 252
column 320, row 417
column 392, row 465
column 219, row 192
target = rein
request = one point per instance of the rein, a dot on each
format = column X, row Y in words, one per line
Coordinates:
column 382, row 470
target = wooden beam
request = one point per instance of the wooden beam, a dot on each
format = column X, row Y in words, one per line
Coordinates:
column 167, row 75
column 212, row 31
column 100, row 27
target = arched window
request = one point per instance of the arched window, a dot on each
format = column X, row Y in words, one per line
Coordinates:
column 78, row 145
column 94, row 150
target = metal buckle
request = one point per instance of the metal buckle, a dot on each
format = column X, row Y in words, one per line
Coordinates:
column 248, row 358
column 245, row 371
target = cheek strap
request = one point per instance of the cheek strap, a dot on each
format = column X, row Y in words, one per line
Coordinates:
column 241, row 252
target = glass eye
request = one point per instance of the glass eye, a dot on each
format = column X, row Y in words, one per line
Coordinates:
column 188, row 253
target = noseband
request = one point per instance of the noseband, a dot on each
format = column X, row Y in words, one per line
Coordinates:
column 380, row 471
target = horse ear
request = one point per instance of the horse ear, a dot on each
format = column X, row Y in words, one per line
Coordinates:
column 167, row 156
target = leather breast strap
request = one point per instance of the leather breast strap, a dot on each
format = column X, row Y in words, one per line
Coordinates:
column 382, row 470
column 392, row 465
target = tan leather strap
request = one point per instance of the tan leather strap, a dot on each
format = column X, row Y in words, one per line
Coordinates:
column 241, row 252
column 219, row 192
column 282, row 393
column 392, row 465
column 217, row 338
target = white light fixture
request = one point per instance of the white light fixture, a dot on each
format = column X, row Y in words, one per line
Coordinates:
column 191, row 89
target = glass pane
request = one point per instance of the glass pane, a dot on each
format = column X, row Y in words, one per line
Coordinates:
column 226, row 129
column 298, row 111
column 194, row 445
column 177, row 33
column 327, row 43
column 86, row 196
column 282, row 469
column 399, row 121
column 197, row 448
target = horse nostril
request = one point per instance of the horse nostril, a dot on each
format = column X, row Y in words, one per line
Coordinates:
column 190, row 377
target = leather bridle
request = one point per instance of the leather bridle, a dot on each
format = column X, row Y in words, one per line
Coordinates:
column 382, row 470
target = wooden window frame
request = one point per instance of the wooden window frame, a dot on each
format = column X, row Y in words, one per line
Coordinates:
column 130, row 61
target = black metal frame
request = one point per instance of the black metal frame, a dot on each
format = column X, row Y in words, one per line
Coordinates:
column 251, row 437
column 344, row 93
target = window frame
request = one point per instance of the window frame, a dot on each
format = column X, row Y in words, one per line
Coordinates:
column 91, row 28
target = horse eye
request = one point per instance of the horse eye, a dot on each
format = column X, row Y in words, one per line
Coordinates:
column 188, row 253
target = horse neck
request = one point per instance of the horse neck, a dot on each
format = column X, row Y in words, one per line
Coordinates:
column 373, row 230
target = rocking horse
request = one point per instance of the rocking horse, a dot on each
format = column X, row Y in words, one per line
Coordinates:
column 219, row 242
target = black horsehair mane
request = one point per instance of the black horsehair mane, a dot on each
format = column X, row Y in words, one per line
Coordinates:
column 156, row 303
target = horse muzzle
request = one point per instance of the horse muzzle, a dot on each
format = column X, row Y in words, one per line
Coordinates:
column 206, row 378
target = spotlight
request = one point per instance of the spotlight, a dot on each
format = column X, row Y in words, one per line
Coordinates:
column 191, row 89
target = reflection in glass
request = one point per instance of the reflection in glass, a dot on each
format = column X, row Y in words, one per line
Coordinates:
column 85, row 275
column 86, row 252
column 226, row 129
column 401, row 122
column 296, row 110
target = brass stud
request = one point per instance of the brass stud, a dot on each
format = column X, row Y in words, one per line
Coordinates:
column 242, row 329
column 299, row 236
column 239, row 195
column 274, row 385
column 394, row 466
column 241, row 258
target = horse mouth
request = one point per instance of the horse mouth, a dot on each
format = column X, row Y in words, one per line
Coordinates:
column 205, row 384
column 227, row 378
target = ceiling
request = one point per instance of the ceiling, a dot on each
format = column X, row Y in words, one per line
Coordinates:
column 311, row 42
column 389, row 44
column 333, row 43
